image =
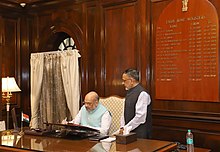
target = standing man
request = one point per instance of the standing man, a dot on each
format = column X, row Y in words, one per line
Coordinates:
column 93, row 114
column 137, row 109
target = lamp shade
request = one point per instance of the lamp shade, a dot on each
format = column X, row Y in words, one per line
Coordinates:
column 9, row 85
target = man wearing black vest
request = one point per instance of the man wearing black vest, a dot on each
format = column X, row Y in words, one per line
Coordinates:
column 137, row 109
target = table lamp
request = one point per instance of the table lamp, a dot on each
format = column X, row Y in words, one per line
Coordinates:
column 9, row 85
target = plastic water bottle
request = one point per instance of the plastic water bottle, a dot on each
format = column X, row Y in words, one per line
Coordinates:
column 189, row 141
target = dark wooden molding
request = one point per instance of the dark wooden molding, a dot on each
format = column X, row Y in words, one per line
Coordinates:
column 187, row 114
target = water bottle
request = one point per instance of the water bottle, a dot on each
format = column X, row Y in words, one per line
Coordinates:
column 189, row 141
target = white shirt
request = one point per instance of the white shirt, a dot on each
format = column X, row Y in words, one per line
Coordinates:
column 105, row 122
column 140, row 111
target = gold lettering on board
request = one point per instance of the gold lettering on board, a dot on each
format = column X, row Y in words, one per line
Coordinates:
column 185, row 5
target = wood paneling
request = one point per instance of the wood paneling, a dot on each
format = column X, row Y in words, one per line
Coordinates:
column 11, row 54
column 1, row 52
column 120, row 37
column 90, row 60
column 124, row 26
column 25, row 43
column 113, row 39
column 111, row 35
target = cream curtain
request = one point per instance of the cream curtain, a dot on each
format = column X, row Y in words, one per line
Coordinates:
column 70, row 76
column 37, row 60
column 58, row 92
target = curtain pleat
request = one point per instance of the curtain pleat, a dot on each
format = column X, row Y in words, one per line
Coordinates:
column 71, row 80
column 37, row 63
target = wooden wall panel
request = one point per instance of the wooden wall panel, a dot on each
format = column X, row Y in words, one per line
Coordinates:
column 120, row 26
column 90, row 60
column 124, row 26
column 11, row 53
column 10, row 57
column 25, row 42
column 1, row 52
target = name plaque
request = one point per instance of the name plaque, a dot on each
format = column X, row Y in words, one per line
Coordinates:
column 186, row 57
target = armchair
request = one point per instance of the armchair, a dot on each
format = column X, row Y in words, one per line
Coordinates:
column 115, row 105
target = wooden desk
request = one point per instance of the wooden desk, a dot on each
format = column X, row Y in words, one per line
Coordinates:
column 40, row 143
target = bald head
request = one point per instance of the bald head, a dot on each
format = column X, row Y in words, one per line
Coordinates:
column 92, row 95
column 91, row 100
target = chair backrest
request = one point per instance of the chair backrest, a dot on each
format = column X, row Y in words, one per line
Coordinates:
column 115, row 105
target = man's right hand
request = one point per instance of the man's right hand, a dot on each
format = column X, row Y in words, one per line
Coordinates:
column 115, row 133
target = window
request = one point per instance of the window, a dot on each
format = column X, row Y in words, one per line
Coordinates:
column 67, row 44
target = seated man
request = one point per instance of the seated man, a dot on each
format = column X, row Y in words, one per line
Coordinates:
column 93, row 114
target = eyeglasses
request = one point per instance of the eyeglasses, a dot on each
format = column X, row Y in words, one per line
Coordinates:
column 88, row 103
column 125, row 80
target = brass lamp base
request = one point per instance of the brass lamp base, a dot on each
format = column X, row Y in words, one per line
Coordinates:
column 7, row 132
column 12, row 132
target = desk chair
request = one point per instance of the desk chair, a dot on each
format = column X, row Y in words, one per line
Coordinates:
column 115, row 105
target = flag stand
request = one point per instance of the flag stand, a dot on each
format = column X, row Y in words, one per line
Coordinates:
column 21, row 133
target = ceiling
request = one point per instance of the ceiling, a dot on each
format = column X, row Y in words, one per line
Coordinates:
column 23, row 3
column 11, row 3
column 26, row 1
column 31, row 3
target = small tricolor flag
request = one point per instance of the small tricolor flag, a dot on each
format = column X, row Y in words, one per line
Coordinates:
column 24, row 117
